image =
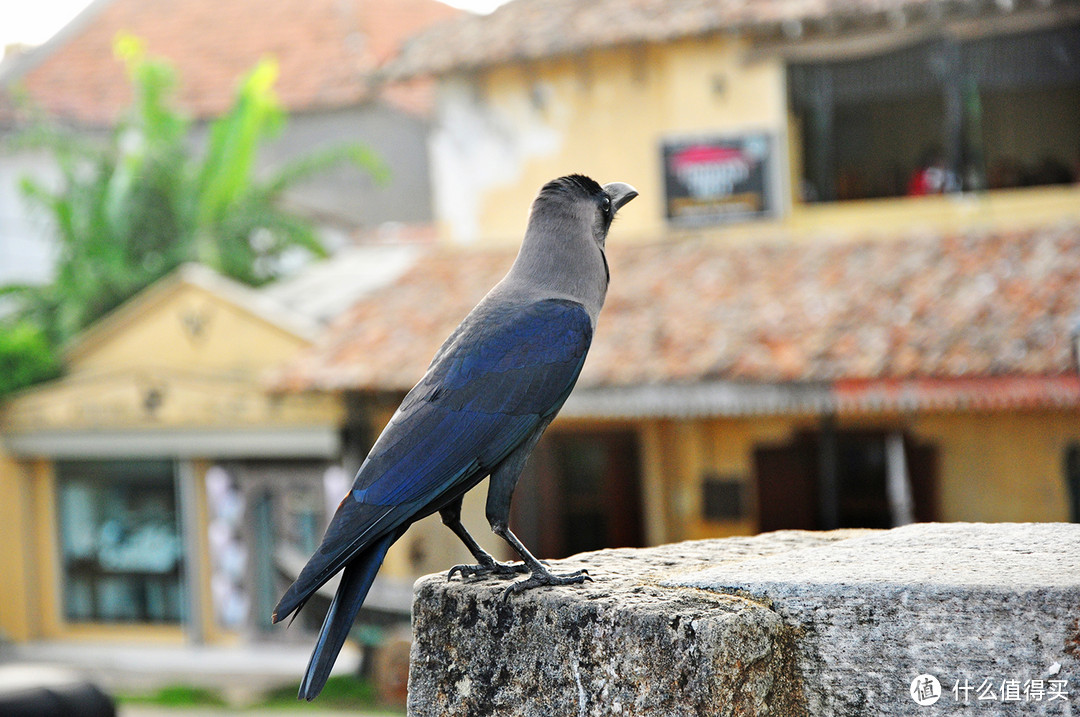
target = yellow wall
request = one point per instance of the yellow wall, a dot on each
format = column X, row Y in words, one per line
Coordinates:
column 18, row 620
column 508, row 130
column 183, row 326
column 1002, row 467
column 201, row 356
column 44, row 578
column 992, row 467
column 723, row 446
column 605, row 114
column 891, row 218
column 211, row 631
column 185, row 400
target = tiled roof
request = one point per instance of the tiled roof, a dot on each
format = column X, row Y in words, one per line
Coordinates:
column 323, row 289
column 327, row 51
column 386, row 340
column 532, row 29
column 971, row 306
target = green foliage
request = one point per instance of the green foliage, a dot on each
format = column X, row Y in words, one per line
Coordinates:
column 177, row 696
column 25, row 357
column 133, row 207
column 340, row 692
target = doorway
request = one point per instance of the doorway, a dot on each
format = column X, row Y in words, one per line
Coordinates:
column 581, row 491
column 845, row 479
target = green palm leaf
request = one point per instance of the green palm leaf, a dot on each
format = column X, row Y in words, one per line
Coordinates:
column 134, row 205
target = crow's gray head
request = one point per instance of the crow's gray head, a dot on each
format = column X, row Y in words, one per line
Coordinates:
column 578, row 198
column 563, row 250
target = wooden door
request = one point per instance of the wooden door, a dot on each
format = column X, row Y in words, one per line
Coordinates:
column 581, row 492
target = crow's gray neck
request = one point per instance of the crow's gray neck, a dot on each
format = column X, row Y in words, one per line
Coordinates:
column 560, row 258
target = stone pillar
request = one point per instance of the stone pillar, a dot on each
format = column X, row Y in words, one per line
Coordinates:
column 788, row 623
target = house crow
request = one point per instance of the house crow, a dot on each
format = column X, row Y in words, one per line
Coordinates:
column 489, row 393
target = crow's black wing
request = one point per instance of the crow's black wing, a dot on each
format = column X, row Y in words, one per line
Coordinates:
column 492, row 384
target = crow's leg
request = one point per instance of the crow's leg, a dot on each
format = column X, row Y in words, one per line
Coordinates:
column 500, row 491
column 540, row 575
column 486, row 565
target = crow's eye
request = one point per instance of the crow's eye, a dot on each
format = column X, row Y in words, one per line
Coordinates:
column 606, row 205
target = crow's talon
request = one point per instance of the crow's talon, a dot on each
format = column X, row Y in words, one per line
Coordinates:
column 502, row 570
column 545, row 578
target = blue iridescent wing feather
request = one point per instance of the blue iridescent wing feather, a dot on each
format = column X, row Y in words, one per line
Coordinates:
column 489, row 388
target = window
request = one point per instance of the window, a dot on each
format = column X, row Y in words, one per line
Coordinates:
column 833, row 478
column 722, row 497
column 941, row 116
column 121, row 550
column 1072, row 480
column 583, row 465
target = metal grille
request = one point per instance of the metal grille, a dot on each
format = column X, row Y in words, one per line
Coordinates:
column 1030, row 61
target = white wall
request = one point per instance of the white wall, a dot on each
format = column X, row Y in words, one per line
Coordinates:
column 479, row 144
column 26, row 244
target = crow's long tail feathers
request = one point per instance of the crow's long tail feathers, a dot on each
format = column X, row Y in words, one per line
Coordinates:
column 356, row 580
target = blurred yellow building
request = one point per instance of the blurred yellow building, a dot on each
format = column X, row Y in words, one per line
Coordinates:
column 792, row 339
column 107, row 523
column 847, row 295
column 159, row 491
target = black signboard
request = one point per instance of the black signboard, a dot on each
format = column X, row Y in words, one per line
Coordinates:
column 720, row 179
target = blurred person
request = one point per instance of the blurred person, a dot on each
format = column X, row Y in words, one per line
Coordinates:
column 933, row 177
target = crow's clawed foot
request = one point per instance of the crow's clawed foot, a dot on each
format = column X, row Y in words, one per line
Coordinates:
column 502, row 570
column 540, row 579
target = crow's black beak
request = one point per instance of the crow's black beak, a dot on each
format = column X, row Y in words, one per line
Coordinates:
column 620, row 194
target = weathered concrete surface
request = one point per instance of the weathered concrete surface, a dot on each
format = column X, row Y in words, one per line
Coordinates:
column 622, row 644
column 970, row 604
column 785, row 623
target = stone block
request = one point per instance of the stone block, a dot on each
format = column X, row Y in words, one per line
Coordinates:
column 989, row 607
column 788, row 623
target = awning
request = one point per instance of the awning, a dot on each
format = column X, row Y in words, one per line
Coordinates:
column 290, row 442
column 987, row 393
column 853, row 396
column 698, row 400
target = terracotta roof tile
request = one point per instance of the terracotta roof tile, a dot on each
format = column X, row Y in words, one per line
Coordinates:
column 386, row 342
column 941, row 307
column 327, row 50
column 532, row 29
